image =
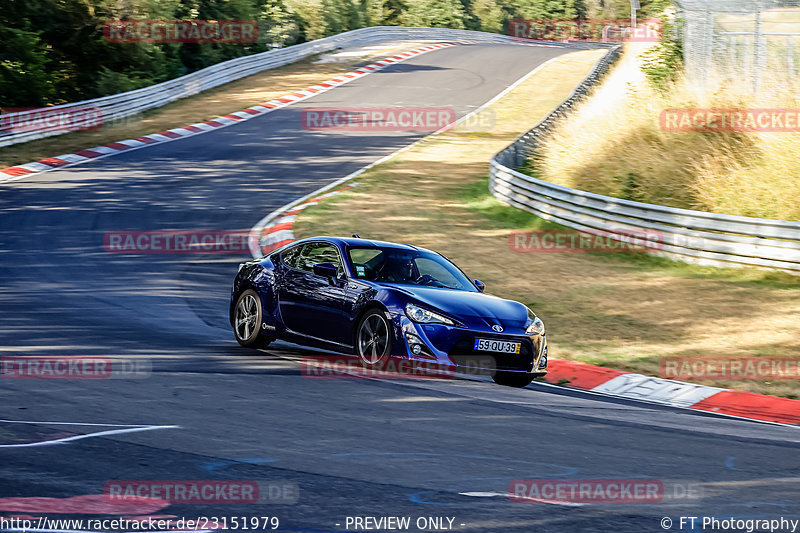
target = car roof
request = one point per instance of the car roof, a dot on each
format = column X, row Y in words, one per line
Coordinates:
column 352, row 242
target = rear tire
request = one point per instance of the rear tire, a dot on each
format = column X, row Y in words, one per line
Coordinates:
column 247, row 315
column 513, row 379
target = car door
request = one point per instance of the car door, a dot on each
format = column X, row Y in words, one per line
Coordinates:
column 313, row 305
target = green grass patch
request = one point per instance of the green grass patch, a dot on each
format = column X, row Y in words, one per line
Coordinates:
column 477, row 198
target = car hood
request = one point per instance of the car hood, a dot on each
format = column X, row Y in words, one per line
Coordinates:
column 470, row 306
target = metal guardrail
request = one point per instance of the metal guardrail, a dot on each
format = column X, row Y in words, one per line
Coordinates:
column 692, row 236
column 119, row 106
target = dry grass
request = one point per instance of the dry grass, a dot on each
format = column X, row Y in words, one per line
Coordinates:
column 783, row 19
column 220, row 101
column 624, row 313
column 619, row 149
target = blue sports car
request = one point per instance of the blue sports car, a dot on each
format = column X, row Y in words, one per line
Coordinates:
column 382, row 300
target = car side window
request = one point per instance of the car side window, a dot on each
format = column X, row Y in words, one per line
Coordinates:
column 319, row 252
column 291, row 256
column 365, row 261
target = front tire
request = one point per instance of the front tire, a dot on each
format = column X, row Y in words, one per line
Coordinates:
column 247, row 317
column 513, row 379
column 373, row 338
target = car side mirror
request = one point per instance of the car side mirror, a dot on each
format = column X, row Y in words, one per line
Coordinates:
column 479, row 285
column 326, row 270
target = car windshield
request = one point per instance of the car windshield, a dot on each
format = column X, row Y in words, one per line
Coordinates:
column 407, row 267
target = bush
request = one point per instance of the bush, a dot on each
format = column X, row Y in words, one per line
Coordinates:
column 110, row 82
column 24, row 80
column 663, row 63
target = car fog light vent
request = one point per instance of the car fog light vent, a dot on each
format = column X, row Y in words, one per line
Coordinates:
column 418, row 347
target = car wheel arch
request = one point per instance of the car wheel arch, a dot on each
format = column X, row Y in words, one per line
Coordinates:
column 367, row 307
column 235, row 296
column 246, row 285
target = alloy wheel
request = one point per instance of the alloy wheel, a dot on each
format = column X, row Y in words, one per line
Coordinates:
column 246, row 317
column 373, row 338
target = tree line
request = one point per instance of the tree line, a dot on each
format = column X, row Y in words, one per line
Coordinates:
column 54, row 51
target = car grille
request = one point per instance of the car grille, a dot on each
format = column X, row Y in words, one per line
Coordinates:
column 463, row 354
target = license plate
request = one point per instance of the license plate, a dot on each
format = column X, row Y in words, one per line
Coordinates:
column 490, row 345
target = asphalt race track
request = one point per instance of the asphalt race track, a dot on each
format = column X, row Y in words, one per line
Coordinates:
column 352, row 447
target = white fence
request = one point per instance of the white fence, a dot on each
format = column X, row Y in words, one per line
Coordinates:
column 118, row 106
column 730, row 41
column 691, row 236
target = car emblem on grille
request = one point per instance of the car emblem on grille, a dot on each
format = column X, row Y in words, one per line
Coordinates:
column 498, row 328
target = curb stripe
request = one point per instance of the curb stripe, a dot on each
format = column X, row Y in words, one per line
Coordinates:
column 657, row 390
column 71, row 158
column 89, row 153
column 631, row 386
column 276, row 230
column 35, row 167
column 133, row 143
column 53, row 162
column 118, row 146
column 279, row 227
column 580, row 375
column 17, row 171
column 752, row 405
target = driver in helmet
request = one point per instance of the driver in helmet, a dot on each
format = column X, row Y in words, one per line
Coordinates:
column 400, row 269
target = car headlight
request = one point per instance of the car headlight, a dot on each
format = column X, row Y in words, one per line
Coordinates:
column 424, row 316
column 536, row 326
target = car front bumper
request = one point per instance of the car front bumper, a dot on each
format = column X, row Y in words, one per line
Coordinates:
column 452, row 346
